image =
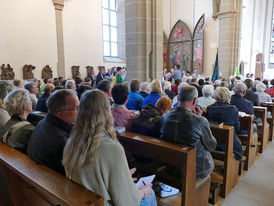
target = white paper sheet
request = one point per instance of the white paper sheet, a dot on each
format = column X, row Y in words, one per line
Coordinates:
column 147, row 180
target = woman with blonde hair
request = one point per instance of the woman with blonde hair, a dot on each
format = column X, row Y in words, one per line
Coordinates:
column 155, row 93
column 94, row 158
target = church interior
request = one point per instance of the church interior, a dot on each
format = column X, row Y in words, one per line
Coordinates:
column 74, row 44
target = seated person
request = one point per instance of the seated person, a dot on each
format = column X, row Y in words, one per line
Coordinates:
column 4, row 115
column 155, row 93
column 150, row 119
column 250, row 95
column 206, row 99
column 223, row 111
column 50, row 135
column 41, row 104
column 168, row 91
column 82, row 89
column 106, row 86
column 99, row 162
column 135, row 99
column 270, row 91
column 144, row 89
column 122, row 116
column 33, row 91
column 175, row 87
column 17, row 131
column 185, row 125
column 263, row 96
column 70, row 84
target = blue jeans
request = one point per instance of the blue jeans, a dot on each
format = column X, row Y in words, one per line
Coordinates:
column 149, row 200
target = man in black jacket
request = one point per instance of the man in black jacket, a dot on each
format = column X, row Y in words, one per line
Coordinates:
column 100, row 75
column 50, row 135
column 41, row 104
column 185, row 125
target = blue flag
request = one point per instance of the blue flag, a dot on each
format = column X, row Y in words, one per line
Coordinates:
column 215, row 73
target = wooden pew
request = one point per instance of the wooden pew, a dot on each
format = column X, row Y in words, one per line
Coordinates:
column 263, row 128
column 180, row 156
column 225, row 173
column 270, row 108
column 32, row 184
column 249, row 140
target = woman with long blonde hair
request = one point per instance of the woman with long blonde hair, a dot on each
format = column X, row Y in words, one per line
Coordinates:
column 94, row 158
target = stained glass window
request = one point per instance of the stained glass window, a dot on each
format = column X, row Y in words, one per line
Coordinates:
column 109, row 19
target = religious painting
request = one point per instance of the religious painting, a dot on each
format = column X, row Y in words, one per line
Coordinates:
column 165, row 47
column 27, row 72
column 179, row 47
column 198, row 46
column 46, row 72
column 7, row 72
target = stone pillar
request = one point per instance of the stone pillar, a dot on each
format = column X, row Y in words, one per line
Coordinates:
column 59, row 5
column 229, row 36
column 144, row 39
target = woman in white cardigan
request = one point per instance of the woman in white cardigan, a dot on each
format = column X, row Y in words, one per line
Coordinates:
column 94, row 158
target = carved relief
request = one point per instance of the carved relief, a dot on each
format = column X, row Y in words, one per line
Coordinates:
column 27, row 72
column 89, row 70
column 7, row 72
column 75, row 71
column 46, row 72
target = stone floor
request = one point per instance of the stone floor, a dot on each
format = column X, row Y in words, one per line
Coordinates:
column 256, row 188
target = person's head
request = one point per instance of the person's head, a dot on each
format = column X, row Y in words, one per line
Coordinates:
column 156, row 86
column 70, row 84
column 105, row 86
column 31, row 87
column 258, row 78
column 265, row 82
column 239, row 88
column 82, row 89
column 56, row 82
column 187, row 73
column 193, row 81
column 261, row 87
column 222, row 94
column 87, row 81
column 102, row 70
column 120, row 93
column 183, row 84
column 177, row 67
column 232, row 80
column 167, row 85
column 134, row 85
column 164, row 104
column 201, row 82
column 224, row 84
column 238, row 78
column 109, row 70
column 49, row 88
column 61, row 79
column 63, row 104
column 50, row 80
column 18, row 102
column 144, row 87
column 272, row 82
column 119, row 70
column 5, row 88
column 93, row 122
column 187, row 97
column 178, row 81
column 248, row 83
column 208, row 90
column 18, row 83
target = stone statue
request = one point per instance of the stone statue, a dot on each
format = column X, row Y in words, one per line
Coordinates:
column 75, row 71
column 89, row 70
column 46, row 72
column 7, row 72
column 27, row 71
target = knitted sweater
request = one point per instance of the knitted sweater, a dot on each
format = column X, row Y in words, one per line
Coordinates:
column 109, row 176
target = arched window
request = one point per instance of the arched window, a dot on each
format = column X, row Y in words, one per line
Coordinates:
column 110, row 40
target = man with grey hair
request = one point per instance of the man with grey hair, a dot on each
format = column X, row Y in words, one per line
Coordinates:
column 50, row 135
column 242, row 104
column 70, row 84
column 144, row 89
column 33, row 91
column 185, row 125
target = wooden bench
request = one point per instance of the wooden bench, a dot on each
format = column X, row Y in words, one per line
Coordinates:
column 263, row 128
column 226, row 166
column 180, row 156
column 249, row 140
column 270, row 108
column 27, row 183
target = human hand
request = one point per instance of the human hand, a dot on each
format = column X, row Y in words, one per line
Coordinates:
column 132, row 171
column 197, row 111
column 146, row 190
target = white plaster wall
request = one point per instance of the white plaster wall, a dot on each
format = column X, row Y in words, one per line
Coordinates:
column 190, row 11
column 27, row 35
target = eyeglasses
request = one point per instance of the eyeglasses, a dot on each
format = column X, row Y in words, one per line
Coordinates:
column 69, row 109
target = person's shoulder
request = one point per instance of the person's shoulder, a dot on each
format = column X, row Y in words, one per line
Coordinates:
column 110, row 146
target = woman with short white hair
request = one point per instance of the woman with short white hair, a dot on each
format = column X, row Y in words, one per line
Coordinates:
column 206, row 99
column 263, row 97
column 17, row 131
column 156, row 93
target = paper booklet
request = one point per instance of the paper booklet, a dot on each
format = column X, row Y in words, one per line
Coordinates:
column 147, row 180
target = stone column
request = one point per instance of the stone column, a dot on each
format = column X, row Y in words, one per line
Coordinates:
column 59, row 5
column 229, row 36
column 144, row 39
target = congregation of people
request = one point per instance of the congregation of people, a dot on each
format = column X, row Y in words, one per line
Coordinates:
column 77, row 138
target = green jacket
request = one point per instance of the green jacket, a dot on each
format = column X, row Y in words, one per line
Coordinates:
column 119, row 78
column 20, row 138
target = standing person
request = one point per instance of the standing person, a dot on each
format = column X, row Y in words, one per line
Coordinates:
column 94, row 158
column 176, row 74
column 119, row 78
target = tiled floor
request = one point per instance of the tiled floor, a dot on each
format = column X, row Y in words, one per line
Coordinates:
column 256, row 188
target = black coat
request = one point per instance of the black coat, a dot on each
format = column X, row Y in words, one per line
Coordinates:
column 48, row 141
column 41, row 104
